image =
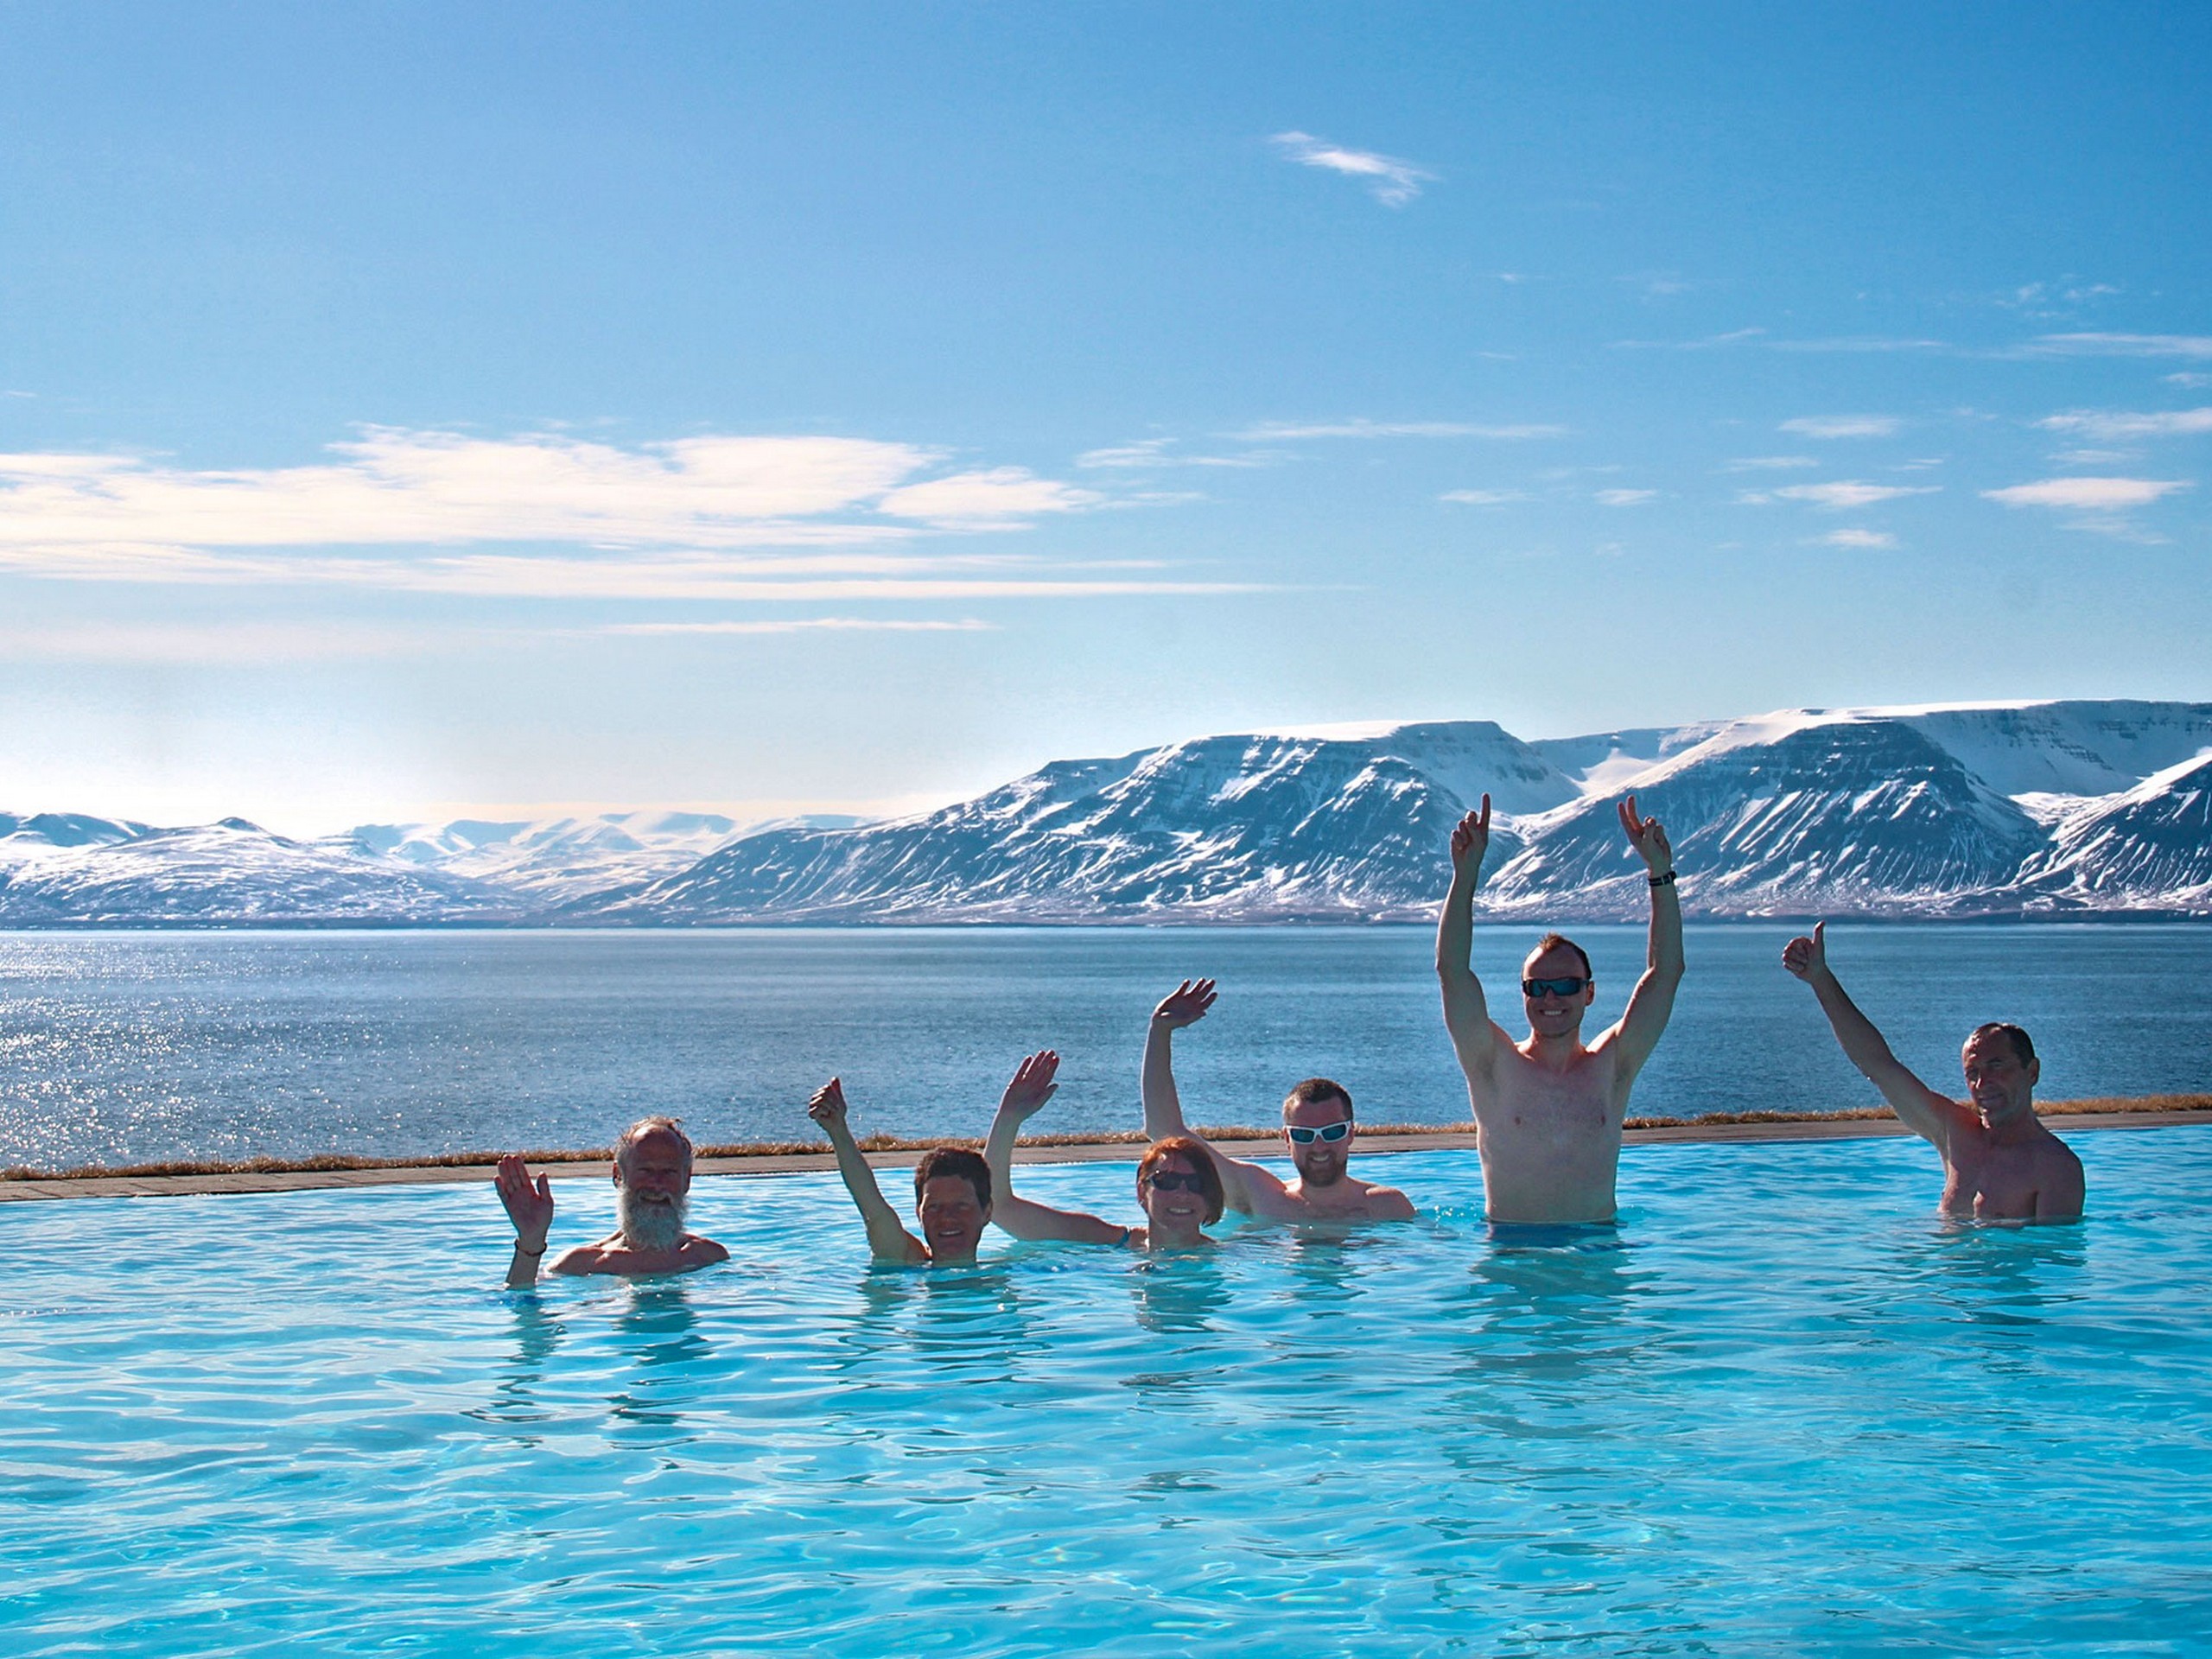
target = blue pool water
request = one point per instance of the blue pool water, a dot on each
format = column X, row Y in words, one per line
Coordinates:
column 1781, row 1409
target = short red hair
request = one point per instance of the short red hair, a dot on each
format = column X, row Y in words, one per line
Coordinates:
column 1186, row 1147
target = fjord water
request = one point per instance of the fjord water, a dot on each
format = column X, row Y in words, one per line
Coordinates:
column 124, row 1047
column 1781, row 1409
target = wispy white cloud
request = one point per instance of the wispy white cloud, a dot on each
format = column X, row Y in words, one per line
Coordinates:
column 1842, row 426
column 2044, row 301
column 1856, row 344
column 1627, row 498
column 982, row 500
column 1838, row 497
column 2112, row 425
column 224, row 643
column 1769, row 463
column 1393, row 182
column 797, row 625
column 2196, row 345
column 301, row 639
column 1286, row 431
column 395, row 509
column 391, row 487
column 1848, row 343
column 2193, row 379
column 1665, row 284
column 1160, row 452
column 1704, row 343
column 2088, row 494
column 1859, row 538
column 1482, row 498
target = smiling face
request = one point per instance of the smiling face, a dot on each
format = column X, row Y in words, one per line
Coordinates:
column 2002, row 1084
column 1172, row 1189
column 952, row 1217
column 1320, row 1162
column 1551, row 1013
column 654, row 1171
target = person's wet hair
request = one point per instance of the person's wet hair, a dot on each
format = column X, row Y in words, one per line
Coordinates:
column 1555, row 941
column 2023, row 1049
column 1315, row 1091
column 1194, row 1154
column 954, row 1161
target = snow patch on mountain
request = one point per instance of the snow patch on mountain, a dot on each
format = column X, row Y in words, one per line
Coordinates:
column 1981, row 809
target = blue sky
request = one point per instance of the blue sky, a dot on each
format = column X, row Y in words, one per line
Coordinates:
column 410, row 410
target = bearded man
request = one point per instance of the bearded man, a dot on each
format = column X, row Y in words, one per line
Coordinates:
column 652, row 1179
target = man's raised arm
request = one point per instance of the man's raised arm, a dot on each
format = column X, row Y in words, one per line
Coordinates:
column 886, row 1237
column 1163, row 1107
column 1025, row 1097
column 529, row 1206
column 1653, row 1000
column 1919, row 1107
column 1466, row 1013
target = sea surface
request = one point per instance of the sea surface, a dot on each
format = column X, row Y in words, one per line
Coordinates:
column 117, row 1048
column 1781, row 1409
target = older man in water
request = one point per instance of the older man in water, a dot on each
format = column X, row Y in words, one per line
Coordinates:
column 1548, row 1110
column 1999, row 1162
column 652, row 1181
column 1317, row 1131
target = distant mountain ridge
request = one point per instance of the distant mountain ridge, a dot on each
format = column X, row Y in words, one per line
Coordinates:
column 2015, row 809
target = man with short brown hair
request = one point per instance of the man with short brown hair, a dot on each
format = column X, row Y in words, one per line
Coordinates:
column 2001, row 1163
column 1548, row 1110
column 1317, row 1131
column 952, row 1193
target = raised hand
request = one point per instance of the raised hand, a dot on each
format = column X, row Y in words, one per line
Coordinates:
column 529, row 1205
column 1647, row 837
column 827, row 1107
column 1470, row 836
column 1186, row 1005
column 1807, row 955
column 1033, row 1085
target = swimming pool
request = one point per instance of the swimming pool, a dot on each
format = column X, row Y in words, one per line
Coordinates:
column 1782, row 1409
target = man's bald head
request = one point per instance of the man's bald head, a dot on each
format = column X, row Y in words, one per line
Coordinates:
column 647, row 1129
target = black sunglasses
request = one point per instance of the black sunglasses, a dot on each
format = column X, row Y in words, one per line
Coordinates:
column 1174, row 1180
column 1568, row 985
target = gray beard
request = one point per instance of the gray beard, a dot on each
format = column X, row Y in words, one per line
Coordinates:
column 646, row 1224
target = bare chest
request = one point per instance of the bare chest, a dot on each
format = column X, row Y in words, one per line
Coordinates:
column 1536, row 1106
column 1993, row 1182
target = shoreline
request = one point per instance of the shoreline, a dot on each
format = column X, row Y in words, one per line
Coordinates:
column 885, row 1152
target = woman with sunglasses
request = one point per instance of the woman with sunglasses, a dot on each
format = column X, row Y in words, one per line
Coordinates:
column 1177, row 1186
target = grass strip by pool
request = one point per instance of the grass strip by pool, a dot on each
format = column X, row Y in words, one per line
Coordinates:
column 767, row 1155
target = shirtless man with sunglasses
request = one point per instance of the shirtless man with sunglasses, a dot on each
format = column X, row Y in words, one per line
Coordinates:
column 1317, row 1130
column 1548, row 1110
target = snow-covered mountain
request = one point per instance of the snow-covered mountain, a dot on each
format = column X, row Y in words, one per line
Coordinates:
column 59, row 870
column 1246, row 828
column 2027, row 810
column 557, row 860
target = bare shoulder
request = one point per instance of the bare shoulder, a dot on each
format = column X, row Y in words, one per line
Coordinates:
column 702, row 1252
column 1388, row 1203
column 2059, row 1156
column 580, row 1259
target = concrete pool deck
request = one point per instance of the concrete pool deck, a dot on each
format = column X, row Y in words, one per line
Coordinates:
column 1375, row 1143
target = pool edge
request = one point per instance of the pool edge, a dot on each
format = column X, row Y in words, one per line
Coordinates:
column 136, row 1186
